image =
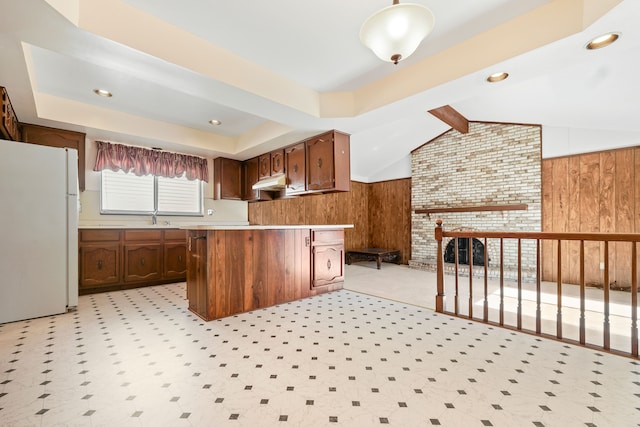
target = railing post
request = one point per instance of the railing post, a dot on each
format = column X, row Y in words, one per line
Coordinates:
column 440, row 297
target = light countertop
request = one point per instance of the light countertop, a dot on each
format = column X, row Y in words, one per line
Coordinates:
column 160, row 225
column 266, row 227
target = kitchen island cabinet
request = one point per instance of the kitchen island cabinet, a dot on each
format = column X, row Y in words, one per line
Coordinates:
column 232, row 270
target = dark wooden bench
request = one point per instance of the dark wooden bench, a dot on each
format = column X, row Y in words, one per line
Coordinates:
column 377, row 254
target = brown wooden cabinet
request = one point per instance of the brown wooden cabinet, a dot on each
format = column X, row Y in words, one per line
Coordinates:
column 99, row 265
column 227, row 179
column 327, row 257
column 53, row 137
column 99, row 258
column 233, row 271
column 277, row 162
column 111, row 259
column 9, row 127
column 197, row 289
column 328, row 162
column 296, row 171
column 318, row 165
column 175, row 254
column 250, row 176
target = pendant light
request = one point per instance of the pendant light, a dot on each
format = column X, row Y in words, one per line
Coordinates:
column 395, row 32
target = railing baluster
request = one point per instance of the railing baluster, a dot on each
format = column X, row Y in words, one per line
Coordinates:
column 634, row 300
column 486, row 282
column 519, row 284
column 470, row 258
column 457, row 276
column 559, row 292
column 538, row 282
column 501, row 281
column 583, row 333
column 440, row 297
column 606, row 337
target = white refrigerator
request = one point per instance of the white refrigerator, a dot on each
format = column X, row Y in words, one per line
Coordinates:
column 38, row 230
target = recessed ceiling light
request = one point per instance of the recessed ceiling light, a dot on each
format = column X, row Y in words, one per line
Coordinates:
column 103, row 92
column 497, row 77
column 215, row 122
column 602, row 41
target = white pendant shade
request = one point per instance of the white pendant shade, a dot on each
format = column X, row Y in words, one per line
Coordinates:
column 395, row 32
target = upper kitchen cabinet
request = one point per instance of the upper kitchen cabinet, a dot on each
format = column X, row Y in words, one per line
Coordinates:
column 328, row 162
column 250, row 169
column 295, row 162
column 227, row 179
column 52, row 137
column 277, row 162
column 271, row 164
column 9, row 128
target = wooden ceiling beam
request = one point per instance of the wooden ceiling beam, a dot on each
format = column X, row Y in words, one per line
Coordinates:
column 451, row 117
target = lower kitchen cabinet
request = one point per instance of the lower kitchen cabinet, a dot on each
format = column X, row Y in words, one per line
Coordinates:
column 99, row 265
column 327, row 257
column 111, row 259
column 175, row 260
column 142, row 262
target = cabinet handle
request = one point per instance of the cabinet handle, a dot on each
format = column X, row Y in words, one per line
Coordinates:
column 180, row 258
column 142, row 261
column 319, row 162
column 328, row 264
column 99, row 264
column 295, row 168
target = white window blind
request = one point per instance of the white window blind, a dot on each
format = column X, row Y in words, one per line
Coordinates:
column 126, row 193
column 179, row 195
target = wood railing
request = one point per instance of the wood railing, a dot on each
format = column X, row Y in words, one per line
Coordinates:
column 538, row 237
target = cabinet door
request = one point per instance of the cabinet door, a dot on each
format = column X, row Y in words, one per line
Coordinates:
column 295, row 167
column 327, row 265
column 264, row 166
column 227, row 177
column 142, row 262
column 320, row 169
column 175, row 261
column 99, row 265
column 277, row 162
column 197, row 286
column 250, row 172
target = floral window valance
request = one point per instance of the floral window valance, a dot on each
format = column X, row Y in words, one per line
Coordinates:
column 142, row 161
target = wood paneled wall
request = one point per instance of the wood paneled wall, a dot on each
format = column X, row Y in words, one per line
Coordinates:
column 379, row 212
column 593, row 192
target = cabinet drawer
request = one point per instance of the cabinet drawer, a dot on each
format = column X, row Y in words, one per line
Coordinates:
column 175, row 235
column 327, row 236
column 99, row 235
column 142, row 235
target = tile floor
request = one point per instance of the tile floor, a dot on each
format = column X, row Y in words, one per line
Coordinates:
column 139, row 358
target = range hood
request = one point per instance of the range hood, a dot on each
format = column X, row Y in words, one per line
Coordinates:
column 274, row 183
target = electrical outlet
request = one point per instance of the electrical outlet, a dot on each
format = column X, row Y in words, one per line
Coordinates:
column 602, row 265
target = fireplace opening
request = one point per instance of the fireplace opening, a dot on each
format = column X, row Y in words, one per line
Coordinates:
column 463, row 252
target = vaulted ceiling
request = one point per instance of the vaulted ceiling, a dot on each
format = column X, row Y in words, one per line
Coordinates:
column 276, row 72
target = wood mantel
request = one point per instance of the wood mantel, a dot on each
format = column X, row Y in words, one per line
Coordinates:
column 482, row 208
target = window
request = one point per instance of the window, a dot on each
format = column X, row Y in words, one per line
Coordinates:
column 127, row 193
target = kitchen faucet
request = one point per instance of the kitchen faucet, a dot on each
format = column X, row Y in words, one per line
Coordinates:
column 154, row 217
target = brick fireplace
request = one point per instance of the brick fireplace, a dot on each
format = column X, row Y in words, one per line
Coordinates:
column 494, row 164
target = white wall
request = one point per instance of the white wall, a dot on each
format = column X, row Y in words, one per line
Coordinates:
column 223, row 210
column 557, row 141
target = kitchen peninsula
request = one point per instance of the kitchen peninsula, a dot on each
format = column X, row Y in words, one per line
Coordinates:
column 234, row 269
